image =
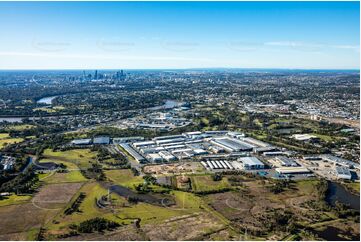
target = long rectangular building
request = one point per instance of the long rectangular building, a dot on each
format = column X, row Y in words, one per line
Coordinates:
column 292, row 170
column 343, row 173
column 231, row 144
column 132, row 152
column 251, row 163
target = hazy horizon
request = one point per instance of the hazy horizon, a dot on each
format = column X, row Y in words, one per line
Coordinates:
column 179, row 35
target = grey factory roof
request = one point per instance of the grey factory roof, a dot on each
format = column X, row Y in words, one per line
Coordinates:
column 101, row 140
column 81, row 141
column 168, row 137
column 251, row 161
column 339, row 160
column 287, row 161
column 233, row 144
column 340, row 170
column 265, row 149
column 132, row 152
column 255, row 142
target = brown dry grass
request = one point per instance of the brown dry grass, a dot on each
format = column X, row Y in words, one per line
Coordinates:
column 190, row 227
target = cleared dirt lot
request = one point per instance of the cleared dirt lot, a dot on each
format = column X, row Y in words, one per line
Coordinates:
column 253, row 205
column 55, row 196
column 33, row 214
column 126, row 233
column 20, row 218
column 191, row 227
column 174, row 168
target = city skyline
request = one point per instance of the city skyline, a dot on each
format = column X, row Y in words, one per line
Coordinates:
column 179, row 35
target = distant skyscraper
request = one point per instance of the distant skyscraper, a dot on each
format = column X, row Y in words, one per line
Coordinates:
column 96, row 75
column 122, row 75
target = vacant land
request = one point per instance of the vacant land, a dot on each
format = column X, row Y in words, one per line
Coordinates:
column 205, row 183
column 254, row 207
column 13, row 199
column 19, row 127
column 124, row 178
column 190, row 227
column 22, row 218
column 57, row 177
column 55, row 196
column 174, row 168
column 354, row 187
column 6, row 140
column 82, row 158
column 88, row 209
column 31, row 215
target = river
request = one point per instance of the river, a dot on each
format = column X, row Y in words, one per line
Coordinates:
column 48, row 100
column 168, row 105
column 337, row 192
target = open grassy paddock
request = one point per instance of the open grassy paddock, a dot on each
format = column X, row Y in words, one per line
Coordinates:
column 13, row 199
column 19, row 127
column 202, row 183
column 82, row 158
column 124, row 178
column 5, row 140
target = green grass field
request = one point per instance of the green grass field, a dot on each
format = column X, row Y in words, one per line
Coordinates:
column 4, row 135
column 187, row 201
column 205, row 183
column 54, row 177
column 82, row 158
column 6, row 140
column 326, row 138
column 20, row 127
column 124, row 177
column 88, row 209
column 14, row 199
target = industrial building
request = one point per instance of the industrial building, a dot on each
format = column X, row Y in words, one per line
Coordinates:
column 199, row 144
column 255, row 142
column 343, row 173
column 167, row 156
column 143, row 143
column 132, row 152
column 262, row 150
column 7, row 162
column 285, row 161
column 217, row 165
column 340, row 161
column 304, row 137
column 231, row 144
column 101, row 140
column 251, row 163
column 154, row 157
column 81, row 142
column 273, row 153
column 127, row 139
column 292, row 170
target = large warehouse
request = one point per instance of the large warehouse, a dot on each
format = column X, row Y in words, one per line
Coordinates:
column 292, row 170
column 251, row 163
column 231, row 144
column 343, row 173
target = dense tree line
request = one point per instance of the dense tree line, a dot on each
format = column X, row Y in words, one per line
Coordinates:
column 23, row 183
column 95, row 224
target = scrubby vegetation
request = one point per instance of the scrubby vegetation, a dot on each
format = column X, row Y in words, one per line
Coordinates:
column 95, row 224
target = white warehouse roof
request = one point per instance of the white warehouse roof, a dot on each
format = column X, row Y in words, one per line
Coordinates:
column 251, row 161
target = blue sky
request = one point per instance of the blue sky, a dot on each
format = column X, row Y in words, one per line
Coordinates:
column 128, row 35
